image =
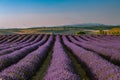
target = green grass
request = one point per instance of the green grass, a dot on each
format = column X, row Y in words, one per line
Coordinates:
column 78, row 67
column 42, row 71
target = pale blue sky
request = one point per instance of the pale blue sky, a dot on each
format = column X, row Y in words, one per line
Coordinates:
column 29, row 13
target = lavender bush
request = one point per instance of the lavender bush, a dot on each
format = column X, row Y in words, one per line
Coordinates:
column 61, row 67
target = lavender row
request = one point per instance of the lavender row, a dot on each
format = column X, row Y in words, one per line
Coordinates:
column 27, row 67
column 31, row 40
column 28, row 38
column 61, row 67
column 100, row 68
column 6, row 38
column 112, row 53
column 106, row 44
column 8, row 59
column 10, row 45
column 10, row 38
column 2, row 37
column 14, row 48
column 112, row 40
column 103, row 38
column 100, row 43
column 17, row 44
column 31, row 37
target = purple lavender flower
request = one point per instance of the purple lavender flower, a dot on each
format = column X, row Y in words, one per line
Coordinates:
column 61, row 67
column 26, row 67
column 100, row 68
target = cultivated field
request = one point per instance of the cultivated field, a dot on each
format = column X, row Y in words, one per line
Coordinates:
column 59, row 57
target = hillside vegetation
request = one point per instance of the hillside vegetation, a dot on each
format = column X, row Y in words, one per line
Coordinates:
column 62, row 30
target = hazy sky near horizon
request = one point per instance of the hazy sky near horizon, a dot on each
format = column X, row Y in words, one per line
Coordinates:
column 29, row 13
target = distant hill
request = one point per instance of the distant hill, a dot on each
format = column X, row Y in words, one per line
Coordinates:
column 91, row 26
column 65, row 29
column 88, row 25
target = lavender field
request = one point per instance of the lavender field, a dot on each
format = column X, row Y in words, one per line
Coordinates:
column 59, row 57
